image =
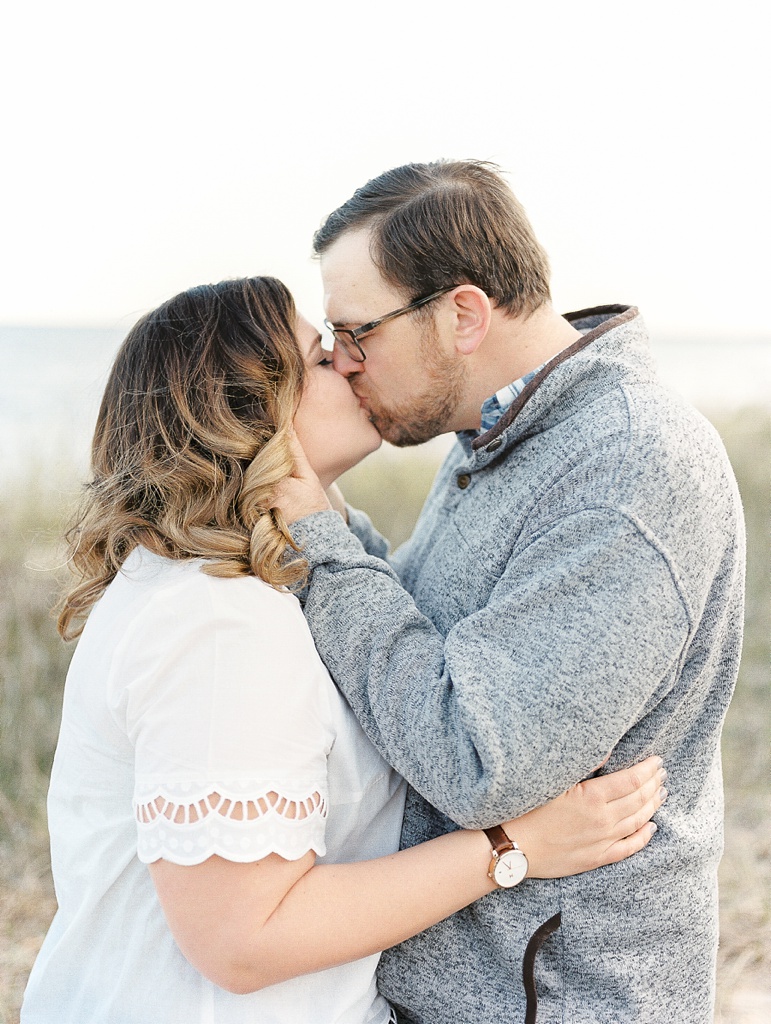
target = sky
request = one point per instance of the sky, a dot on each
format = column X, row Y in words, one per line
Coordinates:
column 156, row 145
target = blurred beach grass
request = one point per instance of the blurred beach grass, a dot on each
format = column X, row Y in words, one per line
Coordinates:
column 391, row 487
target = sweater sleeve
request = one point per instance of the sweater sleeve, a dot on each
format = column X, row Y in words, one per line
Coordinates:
column 361, row 526
column 523, row 698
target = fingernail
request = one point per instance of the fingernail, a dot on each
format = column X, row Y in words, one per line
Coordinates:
column 663, row 794
column 662, row 774
column 660, row 761
column 652, row 826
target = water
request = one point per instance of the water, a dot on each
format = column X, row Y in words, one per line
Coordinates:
column 50, row 390
column 53, row 379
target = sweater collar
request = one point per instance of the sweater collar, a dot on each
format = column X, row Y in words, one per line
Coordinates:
column 610, row 333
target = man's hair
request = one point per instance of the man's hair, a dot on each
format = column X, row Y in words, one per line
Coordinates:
column 446, row 223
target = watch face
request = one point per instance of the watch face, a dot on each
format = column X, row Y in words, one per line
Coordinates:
column 510, row 868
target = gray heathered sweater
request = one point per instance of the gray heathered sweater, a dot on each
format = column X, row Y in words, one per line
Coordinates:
column 574, row 585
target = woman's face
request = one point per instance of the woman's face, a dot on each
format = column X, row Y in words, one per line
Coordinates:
column 331, row 423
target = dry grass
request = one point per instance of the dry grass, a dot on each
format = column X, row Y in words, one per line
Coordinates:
column 33, row 664
column 745, row 873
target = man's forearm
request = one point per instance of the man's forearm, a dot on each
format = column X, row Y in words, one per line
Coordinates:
column 521, row 699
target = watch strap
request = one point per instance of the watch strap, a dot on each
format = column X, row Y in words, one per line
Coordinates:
column 499, row 841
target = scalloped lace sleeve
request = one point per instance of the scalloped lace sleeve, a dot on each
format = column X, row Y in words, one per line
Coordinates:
column 227, row 706
column 240, row 821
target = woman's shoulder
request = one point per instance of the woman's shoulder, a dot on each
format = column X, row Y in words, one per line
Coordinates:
column 162, row 602
column 164, row 580
column 212, row 631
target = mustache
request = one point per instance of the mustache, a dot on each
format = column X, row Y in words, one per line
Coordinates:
column 359, row 393
column 373, row 417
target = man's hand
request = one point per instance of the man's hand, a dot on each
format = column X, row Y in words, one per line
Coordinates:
column 337, row 501
column 300, row 494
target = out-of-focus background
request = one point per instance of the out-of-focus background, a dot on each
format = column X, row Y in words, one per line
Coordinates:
column 152, row 147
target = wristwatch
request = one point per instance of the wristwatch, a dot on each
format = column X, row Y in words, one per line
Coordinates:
column 509, row 864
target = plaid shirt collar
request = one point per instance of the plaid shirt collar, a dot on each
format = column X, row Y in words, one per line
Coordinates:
column 496, row 406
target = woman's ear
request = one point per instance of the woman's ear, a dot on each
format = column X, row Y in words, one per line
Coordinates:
column 472, row 311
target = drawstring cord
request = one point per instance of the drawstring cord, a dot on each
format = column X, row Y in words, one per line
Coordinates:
column 528, row 965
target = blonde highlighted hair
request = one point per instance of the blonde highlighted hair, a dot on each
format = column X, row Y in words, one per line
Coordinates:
column 192, row 436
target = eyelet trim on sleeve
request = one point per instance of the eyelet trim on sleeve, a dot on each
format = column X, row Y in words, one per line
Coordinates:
column 186, row 823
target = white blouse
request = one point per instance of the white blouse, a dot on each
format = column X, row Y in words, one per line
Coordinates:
column 198, row 719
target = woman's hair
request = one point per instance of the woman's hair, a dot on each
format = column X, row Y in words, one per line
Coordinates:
column 445, row 223
column 192, row 437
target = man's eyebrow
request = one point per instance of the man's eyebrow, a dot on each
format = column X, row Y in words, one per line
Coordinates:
column 346, row 323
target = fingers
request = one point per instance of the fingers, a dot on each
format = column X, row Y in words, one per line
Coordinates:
column 620, row 784
column 300, row 494
column 626, row 806
column 634, row 822
column 302, row 466
column 628, row 845
column 634, row 829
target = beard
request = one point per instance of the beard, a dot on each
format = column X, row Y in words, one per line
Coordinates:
column 429, row 413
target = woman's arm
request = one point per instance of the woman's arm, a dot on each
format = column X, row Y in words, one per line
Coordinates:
column 247, row 926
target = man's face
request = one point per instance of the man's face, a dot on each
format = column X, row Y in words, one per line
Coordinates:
column 412, row 379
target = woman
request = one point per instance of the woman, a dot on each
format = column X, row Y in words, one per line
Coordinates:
column 222, row 832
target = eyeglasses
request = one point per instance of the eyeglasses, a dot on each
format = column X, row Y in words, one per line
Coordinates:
column 349, row 339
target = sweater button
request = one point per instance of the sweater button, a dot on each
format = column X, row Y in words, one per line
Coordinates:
column 464, row 479
column 494, row 445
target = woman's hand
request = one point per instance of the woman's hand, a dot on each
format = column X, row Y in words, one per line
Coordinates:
column 246, row 926
column 597, row 822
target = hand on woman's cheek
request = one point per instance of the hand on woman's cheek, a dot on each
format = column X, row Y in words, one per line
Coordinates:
column 300, row 494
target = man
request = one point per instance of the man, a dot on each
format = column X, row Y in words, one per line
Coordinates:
column 573, row 586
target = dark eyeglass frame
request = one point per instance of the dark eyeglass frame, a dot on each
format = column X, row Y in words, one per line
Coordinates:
column 349, row 338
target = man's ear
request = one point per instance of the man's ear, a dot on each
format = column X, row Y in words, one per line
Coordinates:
column 472, row 312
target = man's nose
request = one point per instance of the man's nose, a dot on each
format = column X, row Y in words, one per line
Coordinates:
column 343, row 362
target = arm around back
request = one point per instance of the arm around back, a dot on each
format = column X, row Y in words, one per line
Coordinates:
column 246, row 926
